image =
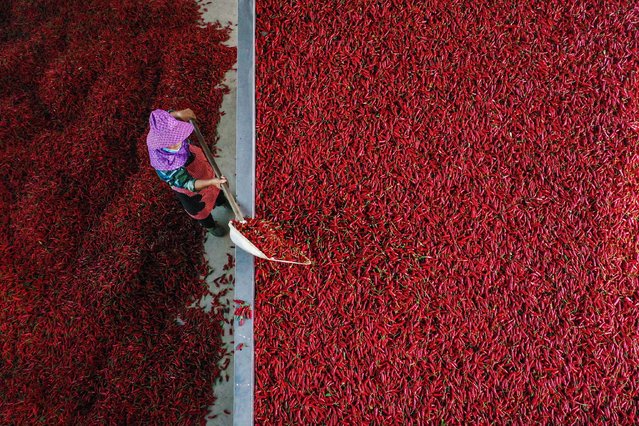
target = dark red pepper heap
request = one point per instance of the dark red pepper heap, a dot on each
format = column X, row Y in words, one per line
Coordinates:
column 269, row 238
column 466, row 177
column 99, row 261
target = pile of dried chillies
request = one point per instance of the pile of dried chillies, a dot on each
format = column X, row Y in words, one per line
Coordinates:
column 466, row 176
column 269, row 238
column 98, row 258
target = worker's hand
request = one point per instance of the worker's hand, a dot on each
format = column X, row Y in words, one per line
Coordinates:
column 218, row 181
column 184, row 115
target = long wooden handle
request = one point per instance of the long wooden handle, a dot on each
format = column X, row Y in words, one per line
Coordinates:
column 225, row 186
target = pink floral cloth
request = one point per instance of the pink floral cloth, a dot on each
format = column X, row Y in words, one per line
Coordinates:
column 165, row 131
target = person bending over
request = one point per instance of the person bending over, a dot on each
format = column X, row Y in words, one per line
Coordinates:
column 185, row 167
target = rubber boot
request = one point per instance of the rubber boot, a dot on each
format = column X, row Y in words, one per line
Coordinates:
column 217, row 230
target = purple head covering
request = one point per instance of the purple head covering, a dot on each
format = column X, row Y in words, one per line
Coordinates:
column 167, row 131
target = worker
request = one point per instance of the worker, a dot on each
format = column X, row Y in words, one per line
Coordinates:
column 184, row 166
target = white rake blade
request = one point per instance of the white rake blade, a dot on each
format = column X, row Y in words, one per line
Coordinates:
column 245, row 244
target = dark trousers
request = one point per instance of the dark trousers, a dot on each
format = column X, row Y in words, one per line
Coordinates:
column 194, row 204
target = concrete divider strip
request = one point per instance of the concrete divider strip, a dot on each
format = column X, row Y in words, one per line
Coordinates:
column 244, row 360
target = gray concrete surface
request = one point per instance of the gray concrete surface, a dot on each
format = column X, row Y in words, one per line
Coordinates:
column 224, row 11
column 245, row 153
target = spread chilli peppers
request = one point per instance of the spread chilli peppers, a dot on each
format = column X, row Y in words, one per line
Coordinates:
column 465, row 175
column 242, row 311
column 99, row 262
column 269, row 238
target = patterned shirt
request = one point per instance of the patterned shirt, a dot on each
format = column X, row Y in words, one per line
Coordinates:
column 179, row 178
